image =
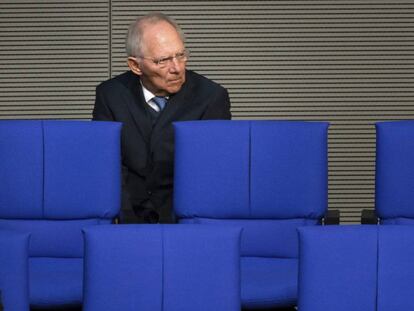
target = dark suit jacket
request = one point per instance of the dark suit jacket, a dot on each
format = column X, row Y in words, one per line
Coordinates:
column 147, row 148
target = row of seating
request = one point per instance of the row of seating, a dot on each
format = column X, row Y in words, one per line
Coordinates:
column 267, row 177
column 279, row 181
column 242, row 188
column 137, row 267
column 360, row 267
column 367, row 267
column 57, row 177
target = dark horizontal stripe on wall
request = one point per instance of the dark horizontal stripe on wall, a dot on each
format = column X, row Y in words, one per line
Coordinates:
column 52, row 55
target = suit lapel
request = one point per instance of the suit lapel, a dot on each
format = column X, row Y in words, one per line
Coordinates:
column 176, row 104
column 137, row 108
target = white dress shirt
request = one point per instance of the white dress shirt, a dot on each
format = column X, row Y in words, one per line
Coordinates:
column 148, row 95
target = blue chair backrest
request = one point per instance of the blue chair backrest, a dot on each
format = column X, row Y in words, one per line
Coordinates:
column 394, row 180
column 57, row 177
column 162, row 268
column 266, row 176
column 359, row 268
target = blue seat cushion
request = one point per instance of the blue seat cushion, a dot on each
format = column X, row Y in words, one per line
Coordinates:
column 51, row 238
column 268, row 282
column 397, row 221
column 276, row 238
column 338, row 268
column 162, row 267
column 56, row 281
column 14, row 270
column 395, row 268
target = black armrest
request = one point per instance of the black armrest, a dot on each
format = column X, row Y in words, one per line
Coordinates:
column 368, row 217
column 332, row 217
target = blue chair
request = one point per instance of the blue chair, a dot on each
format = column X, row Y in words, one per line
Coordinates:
column 268, row 177
column 162, row 268
column 358, row 268
column 14, row 284
column 394, row 179
column 56, row 178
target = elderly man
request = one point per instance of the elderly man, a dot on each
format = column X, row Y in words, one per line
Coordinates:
column 157, row 91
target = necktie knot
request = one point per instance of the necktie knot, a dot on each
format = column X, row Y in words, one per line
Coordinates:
column 161, row 101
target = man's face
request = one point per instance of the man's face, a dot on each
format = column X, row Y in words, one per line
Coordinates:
column 160, row 41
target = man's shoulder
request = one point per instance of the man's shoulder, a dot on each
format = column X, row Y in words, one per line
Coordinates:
column 119, row 81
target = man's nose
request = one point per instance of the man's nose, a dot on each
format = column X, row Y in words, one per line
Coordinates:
column 174, row 65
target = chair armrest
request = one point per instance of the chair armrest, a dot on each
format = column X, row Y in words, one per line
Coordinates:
column 332, row 217
column 368, row 217
column 14, row 270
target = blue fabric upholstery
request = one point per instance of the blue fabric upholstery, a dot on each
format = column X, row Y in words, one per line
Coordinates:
column 21, row 169
column 269, row 282
column 14, row 270
column 288, row 169
column 397, row 221
column 395, row 268
column 394, row 183
column 268, row 177
column 162, row 268
column 356, row 268
column 86, row 190
column 200, row 147
column 56, row 281
column 51, row 238
column 284, row 241
column 58, row 177
column 337, row 268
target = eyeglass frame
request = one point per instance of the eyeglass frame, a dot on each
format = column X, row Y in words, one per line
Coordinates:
column 164, row 61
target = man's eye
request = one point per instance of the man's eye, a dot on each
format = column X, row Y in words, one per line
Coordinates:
column 163, row 61
column 180, row 55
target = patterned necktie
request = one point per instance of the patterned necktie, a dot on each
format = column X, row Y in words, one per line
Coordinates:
column 160, row 101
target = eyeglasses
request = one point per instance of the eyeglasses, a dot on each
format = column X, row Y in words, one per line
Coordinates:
column 164, row 61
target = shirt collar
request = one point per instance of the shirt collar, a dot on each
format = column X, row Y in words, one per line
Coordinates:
column 148, row 95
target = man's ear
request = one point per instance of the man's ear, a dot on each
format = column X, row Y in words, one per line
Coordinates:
column 134, row 66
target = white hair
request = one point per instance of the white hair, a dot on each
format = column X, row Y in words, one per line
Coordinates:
column 135, row 31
